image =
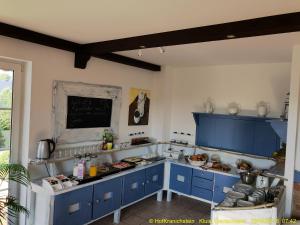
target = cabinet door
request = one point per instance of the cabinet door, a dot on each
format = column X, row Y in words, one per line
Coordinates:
column 222, row 181
column 181, row 178
column 266, row 140
column 107, row 197
column 243, row 136
column 73, row 208
column 235, row 134
column 225, row 128
column 154, row 179
column 205, row 130
column 134, row 187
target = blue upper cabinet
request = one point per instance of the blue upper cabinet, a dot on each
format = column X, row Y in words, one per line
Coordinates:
column 246, row 134
column 207, row 130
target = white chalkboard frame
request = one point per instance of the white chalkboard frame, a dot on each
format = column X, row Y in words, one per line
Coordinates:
column 61, row 91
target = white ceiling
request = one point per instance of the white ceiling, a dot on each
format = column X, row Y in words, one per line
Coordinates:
column 99, row 20
column 263, row 49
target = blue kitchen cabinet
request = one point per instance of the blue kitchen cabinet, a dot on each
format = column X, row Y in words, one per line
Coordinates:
column 181, row 178
column 202, row 193
column 107, row 197
column 246, row 134
column 134, row 187
column 222, row 181
column 234, row 134
column 73, row 208
column 266, row 139
column 202, row 184
column 154, row 179
column 206, row 130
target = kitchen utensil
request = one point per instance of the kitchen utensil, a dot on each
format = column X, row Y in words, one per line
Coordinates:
column 275, row 182
column 196, row 163
column 248, row 177
column 215, row 158
column 235, row 195
column 257, row 196
column 198, row 160
column 262, row 181
column 228, row 202
column 243, row 166
column 45, row 148
column 243, row 188
column 243, row 203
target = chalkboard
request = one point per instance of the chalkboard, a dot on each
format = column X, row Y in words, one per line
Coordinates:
column 86, row 112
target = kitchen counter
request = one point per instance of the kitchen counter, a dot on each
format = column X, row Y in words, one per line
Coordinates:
column 233, row 170
column 38, row 187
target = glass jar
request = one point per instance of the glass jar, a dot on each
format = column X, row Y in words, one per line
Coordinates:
column 93, row 166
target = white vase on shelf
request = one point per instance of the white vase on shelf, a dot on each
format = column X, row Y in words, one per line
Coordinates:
column 208, row 106
column 262, row 109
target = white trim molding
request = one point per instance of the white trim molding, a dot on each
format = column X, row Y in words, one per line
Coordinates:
column 63, row 89
column 293, row 136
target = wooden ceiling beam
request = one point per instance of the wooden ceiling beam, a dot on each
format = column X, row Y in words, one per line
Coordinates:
column 277, row 24
column 81, row 58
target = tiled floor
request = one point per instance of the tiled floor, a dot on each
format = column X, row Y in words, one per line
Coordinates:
column 141, row 213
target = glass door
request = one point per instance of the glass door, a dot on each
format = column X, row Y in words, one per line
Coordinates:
column 9, row 121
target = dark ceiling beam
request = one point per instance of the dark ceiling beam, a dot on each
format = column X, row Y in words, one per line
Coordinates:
column 283, row 23
column 36, row 37
column 81, row 58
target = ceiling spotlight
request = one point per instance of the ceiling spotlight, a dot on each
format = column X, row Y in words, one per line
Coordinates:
column 162, row 50
column 230, row 36
column 140, row 53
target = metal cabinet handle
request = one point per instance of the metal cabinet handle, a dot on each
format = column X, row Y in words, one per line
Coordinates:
column 89, row 204
column 143, row 183
column 97, row 201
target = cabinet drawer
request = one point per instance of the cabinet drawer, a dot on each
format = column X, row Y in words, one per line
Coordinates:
column 181, row 178
column 202, row 183
column 202, row 193
column 204, row 174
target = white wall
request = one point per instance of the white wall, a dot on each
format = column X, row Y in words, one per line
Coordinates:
column 50, row 64
column 244, row 84
column 176, row 91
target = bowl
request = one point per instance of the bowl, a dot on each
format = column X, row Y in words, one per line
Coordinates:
column 196, row 163
column 247, row 177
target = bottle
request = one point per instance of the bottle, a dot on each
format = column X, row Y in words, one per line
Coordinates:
column 81, row 170
column 87, row 162
column 93, row 166
column 75, row 165
column 181, row 155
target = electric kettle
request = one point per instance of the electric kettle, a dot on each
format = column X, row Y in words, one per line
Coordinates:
column 45, row 148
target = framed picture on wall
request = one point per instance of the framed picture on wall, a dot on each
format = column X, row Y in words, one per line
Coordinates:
column 139, row 107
